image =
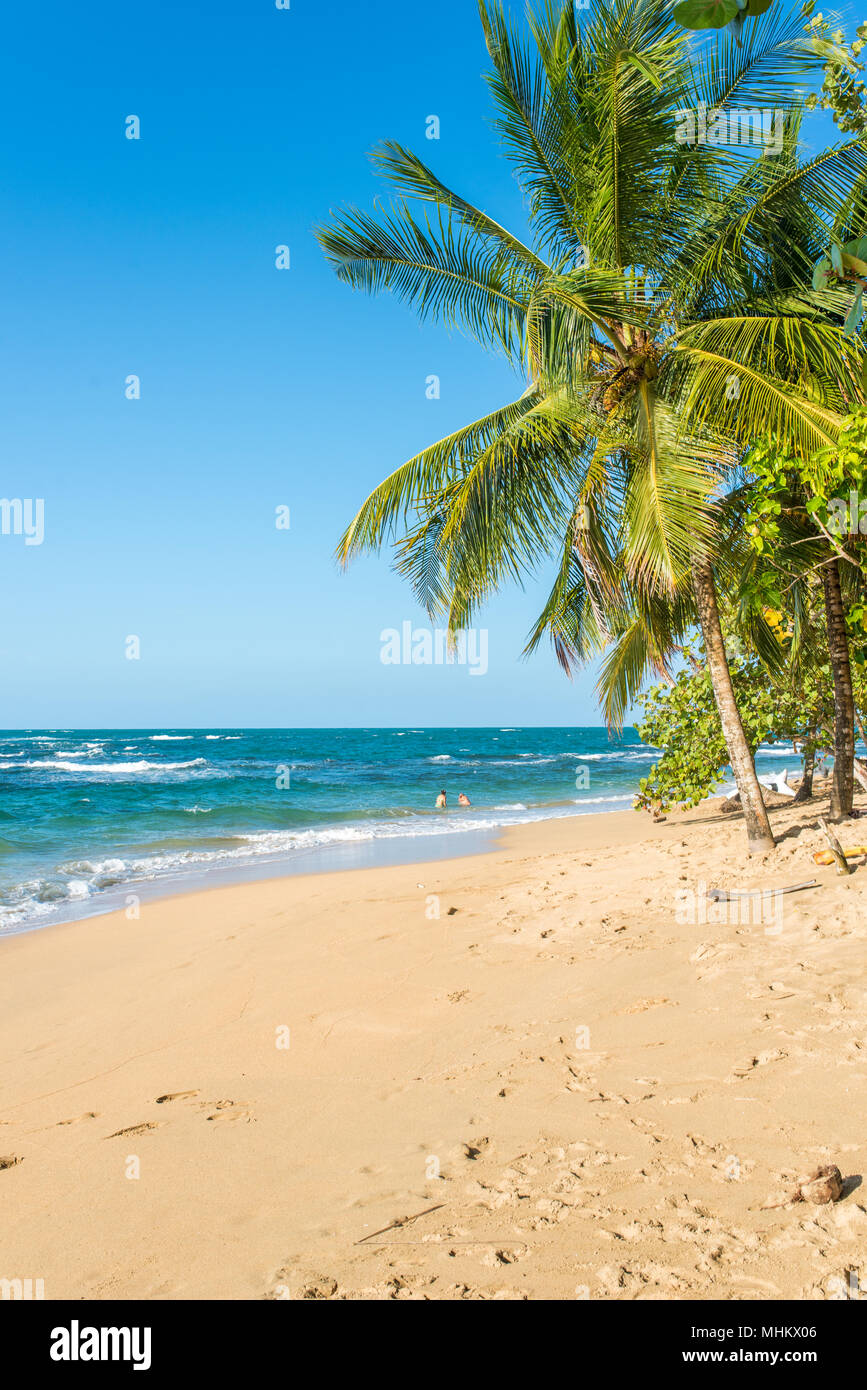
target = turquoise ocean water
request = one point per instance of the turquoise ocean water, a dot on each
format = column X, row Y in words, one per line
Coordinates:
column 87, row 816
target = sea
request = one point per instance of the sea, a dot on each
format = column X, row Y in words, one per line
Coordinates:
column 95, row 819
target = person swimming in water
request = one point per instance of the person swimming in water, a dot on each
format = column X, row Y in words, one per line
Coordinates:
column 464, row 800
column 441, row 801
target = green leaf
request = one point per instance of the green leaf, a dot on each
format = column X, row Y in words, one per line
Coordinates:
column 856, row 263
column 757, row 7
column 645, row 67
column 705, row 14
column 853, row 318
column 736, row 26
column 837, row 258
column 822, row 274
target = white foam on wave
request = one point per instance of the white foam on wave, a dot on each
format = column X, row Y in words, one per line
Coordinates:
column 93, row 868
column 142, row 766
column 280, row 843
column 626, row 755
column 597, row 800
column 24, row 911
column 87, row 877
column 637, row 754
column 168, row 738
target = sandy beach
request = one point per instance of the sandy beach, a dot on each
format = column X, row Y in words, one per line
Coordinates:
column 572, row 1088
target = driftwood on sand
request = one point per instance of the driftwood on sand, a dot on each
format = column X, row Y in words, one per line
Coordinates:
column 721, row 895
column 843, row 866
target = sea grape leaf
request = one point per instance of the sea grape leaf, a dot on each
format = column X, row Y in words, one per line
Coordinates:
column 823, row 276
column 853, row 263
column 705, row 14
column 853, row 318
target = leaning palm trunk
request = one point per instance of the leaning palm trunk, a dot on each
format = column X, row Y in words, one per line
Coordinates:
column 805, row 791
column 760, row 837
column 843, row 786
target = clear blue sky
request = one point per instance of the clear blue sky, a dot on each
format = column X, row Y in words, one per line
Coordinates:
column 258, row 387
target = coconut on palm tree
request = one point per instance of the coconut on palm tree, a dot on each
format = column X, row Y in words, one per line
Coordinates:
column 645, row 312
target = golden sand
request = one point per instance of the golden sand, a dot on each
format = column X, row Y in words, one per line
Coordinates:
column 556, row 1058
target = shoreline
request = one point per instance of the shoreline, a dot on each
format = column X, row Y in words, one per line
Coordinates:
column 592, row 1090
column 338, row 857
column 121, row 818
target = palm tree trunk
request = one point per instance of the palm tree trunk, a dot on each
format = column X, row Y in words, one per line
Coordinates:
column 760, row 837
column 805, row 790
column 843, row 786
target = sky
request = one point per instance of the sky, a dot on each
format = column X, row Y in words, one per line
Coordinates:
column 260, row 388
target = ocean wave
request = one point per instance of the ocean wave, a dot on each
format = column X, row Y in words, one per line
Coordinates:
column 638, row 755
column 26, row 911
column 168, row 738
column 520, row 761
column 85, row 878
column 627, row 798
column 96, row 869
column 141, row 766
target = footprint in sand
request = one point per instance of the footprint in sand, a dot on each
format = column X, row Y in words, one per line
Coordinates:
column 77, row 1119
column 135, row 1129
column 642, row 1005
column 507, row 1255
column 580, row 1081
column 227, row 1110
column 175, row 1095
column 761, row 1060
column 476, row 1148
column 9, row 1161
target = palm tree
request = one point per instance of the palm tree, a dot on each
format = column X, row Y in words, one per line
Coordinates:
column 807, row 560
column 646, row 318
